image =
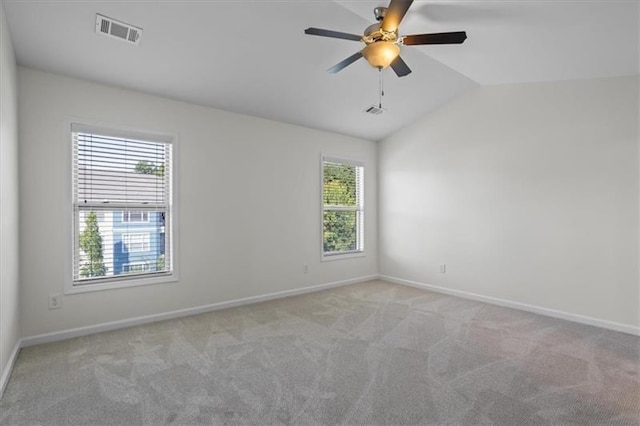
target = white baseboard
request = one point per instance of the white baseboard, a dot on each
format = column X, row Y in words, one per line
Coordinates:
column 6, row 373
column 114, row 325
column 624, row 328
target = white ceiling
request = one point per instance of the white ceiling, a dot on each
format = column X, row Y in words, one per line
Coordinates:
column 252, row 57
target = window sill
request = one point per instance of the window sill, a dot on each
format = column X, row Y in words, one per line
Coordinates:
column 121, row 283
column 339, row 256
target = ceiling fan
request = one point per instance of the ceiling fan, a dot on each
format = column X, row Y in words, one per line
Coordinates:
column 383, row 42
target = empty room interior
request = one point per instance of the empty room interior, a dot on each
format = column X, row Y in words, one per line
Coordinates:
column 319, row 212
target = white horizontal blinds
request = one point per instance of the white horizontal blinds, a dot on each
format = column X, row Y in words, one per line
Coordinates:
column 122, row 206
column 342, row 194
column 118, row 171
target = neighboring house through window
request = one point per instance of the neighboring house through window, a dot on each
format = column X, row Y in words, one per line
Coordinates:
column 342, row 208
column 122, row 208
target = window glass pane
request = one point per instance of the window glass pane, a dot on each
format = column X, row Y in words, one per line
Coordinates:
column 110, row 247
column 339, row 185
column 340, row 231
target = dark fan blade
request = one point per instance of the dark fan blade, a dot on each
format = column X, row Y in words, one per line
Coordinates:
column 351, row 59
column 396, row 11
column 400, row 67
column 334, row 34
column 436, row 38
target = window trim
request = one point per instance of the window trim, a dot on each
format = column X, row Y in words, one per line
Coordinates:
column 346, row 254
column 72, row 124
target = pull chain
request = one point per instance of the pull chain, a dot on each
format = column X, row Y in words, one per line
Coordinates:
column 380, row 87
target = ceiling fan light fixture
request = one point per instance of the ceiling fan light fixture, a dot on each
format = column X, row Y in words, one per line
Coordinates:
column 381, row 53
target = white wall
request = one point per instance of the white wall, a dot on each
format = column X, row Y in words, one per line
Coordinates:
column 9, row 332
column 249, row 212
column 638, row 177
column 527, row 193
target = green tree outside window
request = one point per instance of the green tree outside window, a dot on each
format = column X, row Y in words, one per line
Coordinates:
column 91, row 245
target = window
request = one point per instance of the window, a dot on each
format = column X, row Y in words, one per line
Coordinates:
column 342, row 211
column 135, row 267
column 133, row 216
column 134, row 243
column 122, row 208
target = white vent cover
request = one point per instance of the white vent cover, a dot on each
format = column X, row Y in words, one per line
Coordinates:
column 374, row 110
column 117, row 29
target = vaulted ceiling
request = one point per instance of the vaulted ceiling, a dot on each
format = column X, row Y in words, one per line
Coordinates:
column 252, row 57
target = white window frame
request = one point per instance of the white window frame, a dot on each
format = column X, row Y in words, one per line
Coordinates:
column 360, row 251
column 145, row 243
column 127, row 214
column 171, row 231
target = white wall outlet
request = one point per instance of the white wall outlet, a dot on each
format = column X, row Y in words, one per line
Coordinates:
column 54, row 301
column 443, row 269
column 305, row 268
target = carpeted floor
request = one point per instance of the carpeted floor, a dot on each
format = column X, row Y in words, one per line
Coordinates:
column 371, row 353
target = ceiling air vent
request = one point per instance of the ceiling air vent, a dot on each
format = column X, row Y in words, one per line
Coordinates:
column 374, row 110
column 117, row 29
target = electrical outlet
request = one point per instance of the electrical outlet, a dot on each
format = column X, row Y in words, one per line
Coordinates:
column 443, row 269
column 305, row 268
column 54, row 301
